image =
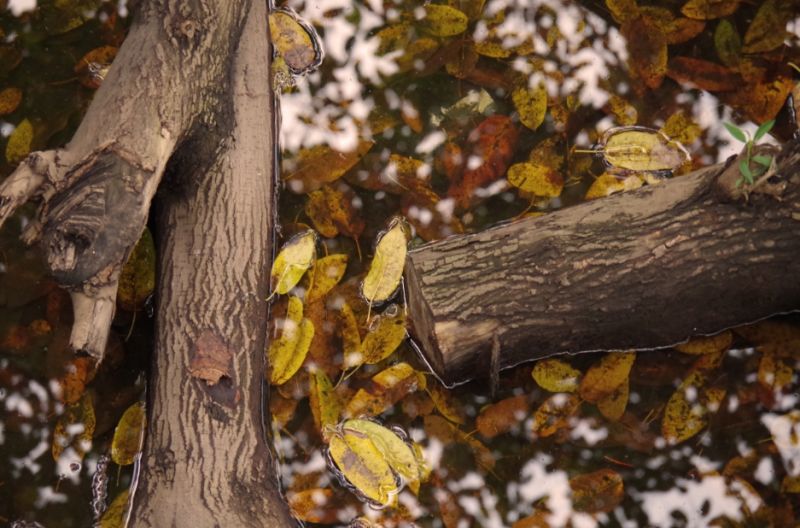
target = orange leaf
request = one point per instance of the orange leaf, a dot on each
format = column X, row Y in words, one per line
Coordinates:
column 500, row 417
column 703, row 74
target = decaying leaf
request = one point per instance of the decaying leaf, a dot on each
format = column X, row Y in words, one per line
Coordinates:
column 293, row 41
column 332, row 212
column 555, row 375
column 500, row 417
column 647, row 46
column 531, row 103
column 767, row 31
column 361, row 464
column 78, row 372
column 444, row 21
column 676, row 29
column 211, row 358
column 129, row 435
column 19, row 142
column 324, row 402
column 709, row 9
column 137, row 280
column 294, row 259
column 688, row 408
column 728, row 44
column 623, row 10
column 315, row 505
column 597, row 492
column 9, row 99
column 75, row 428
column 318, row 165
column 388, row 387
column 707, row 345
column 703, row 74
column 774, row 373
column 624, row 112
column 324, row 275
column 351, row 338
column 387, row 264
column 642, row 149
column 761, row 101
column 387, row 334
column 681, row 128
column 536, row 179
column 554, row 414
column 605, row 376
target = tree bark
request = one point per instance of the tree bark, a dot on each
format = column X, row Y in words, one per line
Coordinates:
column 187, row 98
column 638, row 270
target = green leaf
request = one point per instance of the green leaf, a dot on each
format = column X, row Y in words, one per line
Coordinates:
column 744, row 168
column 763, row 160
column 763, row 129
column 736, row 132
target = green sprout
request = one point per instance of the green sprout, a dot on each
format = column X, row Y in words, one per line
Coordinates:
column 763, row 163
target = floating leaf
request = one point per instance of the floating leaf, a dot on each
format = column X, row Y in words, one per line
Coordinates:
column 444, row 21
column 318, row 165
column 9, row 100
column 325, row 274
column 767, row 31
column 332, row 212
column 315, row 505
column 19, row 142
column 395, row 451
column 597, row 492
column 603, row 377
column 728, row 44
column 363, row 466
column 687, row 410
column 294, row 259
column 642, row 149
column 624, row 112
column 613, row 405
column 703, row 74
column 389, row 332
column 387, row 264
column 647, row 46
column 709, row 9
column 707, row 345
column 116, row 514
column 500, row 417
column 324, row 403
column 531, row 103
column 554, row 414
column 137, row 280
column 284, row 367
column 555, row 375
column 493, row 142
column 293, row 41
column 536, row 179
column 129, row 435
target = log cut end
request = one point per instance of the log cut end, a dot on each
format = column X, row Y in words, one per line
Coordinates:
column 422, row 325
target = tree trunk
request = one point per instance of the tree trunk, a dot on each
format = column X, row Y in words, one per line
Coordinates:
column 188, row 98
column 638, row 270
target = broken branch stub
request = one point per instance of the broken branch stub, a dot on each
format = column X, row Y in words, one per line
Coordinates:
column 638, row 270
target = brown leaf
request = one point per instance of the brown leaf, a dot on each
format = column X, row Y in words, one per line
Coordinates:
column 318, row 165
column 502, row 416
column 762, row 101
column 92, row 67
column 493, row 142
column 707, row 345
column 211, row 359
column 647, row 46
column 709, row 9
column 597, row 492
column 767, row 31
column 77, row 374
column 554, row 414
column 9, row 100
column 315, row 505
column 703, row 74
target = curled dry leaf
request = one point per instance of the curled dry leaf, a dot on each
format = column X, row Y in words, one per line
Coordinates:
column 129, row 435
column 137, row 280
column 387, row 264
column 500, row 417
column 603, row 377
column 555, row 375
column 597, row 492
column 294, row 259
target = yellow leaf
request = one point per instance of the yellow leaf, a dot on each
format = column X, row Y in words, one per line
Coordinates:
column 613, row 406
column 400, row 374
column 324, row 402
column 395, row 451
column 386, row 268
column 282, row 347
column 642, row 149
column 129, row 435
column 707, row 345
column 317, row 211
column 116, row 514
column 293, row 41
column 79, row 438
column 531, row 103
column 623, row 10
column 603, row 378
column 294, row 259
column 774, row 373
column 554, row 414
column 388, row 387
column 709, row 9
column 361, row 464
column 19, row 142
column 325, row 274
column 791, row 484
column 351, row 338
column 285, row 366
column 138, row 277
column 624, row 112
column 536, row 179
column 555, row 375
column 688, row 408
column 444, row 21
column 388, row 334
column 681, row 128
column 608, row 184
column 445, row 404
column 9, row 100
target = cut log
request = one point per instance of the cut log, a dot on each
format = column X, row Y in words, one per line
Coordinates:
column 639, row 270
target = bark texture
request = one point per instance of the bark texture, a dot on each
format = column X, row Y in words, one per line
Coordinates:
column 638, row 270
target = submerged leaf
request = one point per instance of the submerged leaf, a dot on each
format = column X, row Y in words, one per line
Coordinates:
column 444, row 21
column 383, row 340
column 315, row 505
column 531, row 103
column 9, row 100
column 351, row 338
column 19, row 142
column 388, row 387
column 116, row 514
column 608, row 184
column 703, row 74
column 647, row 46
column 605, row 376
column 129, row 435
column 294, row 259
column 709, row 9
column 597, row 492
column 79, row 414
column 137, row 280
column 321, row 164
column 707, row 345
column 728, row 44
column 500, row 417
column 536, row 179
column 386, row 268
column 767, row 31
column 554, row 414
column 613, row 405
column 688, row 408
